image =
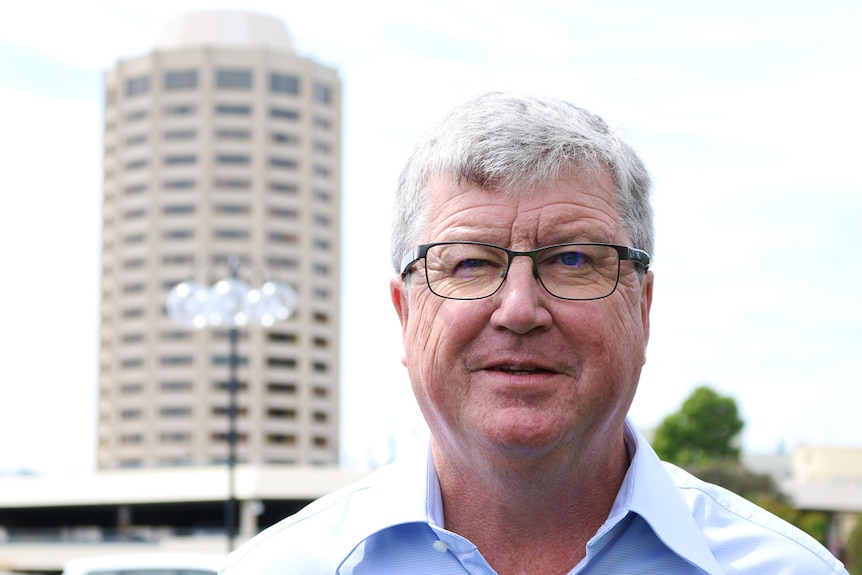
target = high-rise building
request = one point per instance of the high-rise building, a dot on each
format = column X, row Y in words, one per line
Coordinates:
column 222, row 142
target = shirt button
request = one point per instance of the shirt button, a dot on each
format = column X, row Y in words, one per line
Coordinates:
column 440, row 546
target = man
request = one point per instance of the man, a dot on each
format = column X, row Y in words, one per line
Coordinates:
column 521, row 244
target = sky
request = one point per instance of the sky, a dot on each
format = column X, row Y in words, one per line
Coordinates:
column 746, row 113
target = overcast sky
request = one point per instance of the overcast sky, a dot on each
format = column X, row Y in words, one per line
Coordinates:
column 746, row 112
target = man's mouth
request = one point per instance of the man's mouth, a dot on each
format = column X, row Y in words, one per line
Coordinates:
column 520, row 370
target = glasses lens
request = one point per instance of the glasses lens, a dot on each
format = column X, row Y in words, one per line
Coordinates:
column 465, row 271
column 579, row 271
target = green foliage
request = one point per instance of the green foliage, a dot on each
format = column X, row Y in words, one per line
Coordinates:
column 702, row 431
column 853, row 549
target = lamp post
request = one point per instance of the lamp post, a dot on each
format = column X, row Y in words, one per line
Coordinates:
column 230, row 303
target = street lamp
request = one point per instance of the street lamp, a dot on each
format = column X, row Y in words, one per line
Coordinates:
column 232, row 304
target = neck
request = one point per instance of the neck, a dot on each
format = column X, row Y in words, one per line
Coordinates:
column 531, row 516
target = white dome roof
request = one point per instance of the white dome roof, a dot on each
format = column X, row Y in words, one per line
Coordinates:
column 225, row 28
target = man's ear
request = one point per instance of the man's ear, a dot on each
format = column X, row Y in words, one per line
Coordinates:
column 398, row 294
column 646, row 303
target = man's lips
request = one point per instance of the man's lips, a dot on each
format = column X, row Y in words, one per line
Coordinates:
column 519, row 370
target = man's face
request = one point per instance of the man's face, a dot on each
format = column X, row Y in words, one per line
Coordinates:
column 521, row 373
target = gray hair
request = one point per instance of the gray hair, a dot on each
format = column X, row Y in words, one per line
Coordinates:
column 508, row 142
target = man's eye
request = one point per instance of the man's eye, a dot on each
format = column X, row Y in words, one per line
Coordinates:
column 469, row 265
column 573, row 259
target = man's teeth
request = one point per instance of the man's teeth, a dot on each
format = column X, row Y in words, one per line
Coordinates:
column 519, row 370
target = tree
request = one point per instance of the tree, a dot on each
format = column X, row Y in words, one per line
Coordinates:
column 703, row 430
column 701, row 437
column 853, row 549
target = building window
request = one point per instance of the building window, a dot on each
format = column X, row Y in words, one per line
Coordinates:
column 178, row 259
column 320, row 317
column 320, row 417
column 233, row 110
column 134, row 238
column 136, row 115
column 282, row 263
column 132, row 338
column 281, row 413
column 178, row 209
column 185, row 159
column 175, row 334
column 178, row 234
column 322, row 93
column 281, row 388
column 136, row 140
column 137, row 164
column 284, row 84
column 286, row 163
column 238, row 79
column 281, row 362
column 180, row 110
column 284, row 188
column 181, row 79
column 130, row 413
column 175, row 411
column 281, row 337
column 131, row 439
column 232, row 159
column 319, row 442
column 322, row 147
column 176, row 360
column 137, row 85
column 232, row 209
column 320, row 293
column 132, row 313
column 284, row 139
column 283, row 213
column 134, row 263
column 134, row 189
column 281, row 439
column 225, row 360
column 322, row 123
column 178, row 135
column 229, row 234
column 131, row 363
column 284, row 114
column 232, row 184
column 283, row 238
column 178, row 184
column 232, row 134
column 175, row 437
column 320, row 367
column 131, row 389
column 320, row 392
column 222, row 411
column 175, row 386
column 132, row 288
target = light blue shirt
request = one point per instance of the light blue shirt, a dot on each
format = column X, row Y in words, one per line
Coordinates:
column 663, row 521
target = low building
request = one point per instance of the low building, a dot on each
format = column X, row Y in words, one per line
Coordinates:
column 45, row 521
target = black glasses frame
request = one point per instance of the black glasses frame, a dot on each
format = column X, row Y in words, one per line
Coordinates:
column 625, row 253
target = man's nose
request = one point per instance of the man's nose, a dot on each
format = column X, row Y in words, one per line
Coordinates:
column 521, row 299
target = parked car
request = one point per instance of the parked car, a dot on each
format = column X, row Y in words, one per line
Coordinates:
column 143, row 564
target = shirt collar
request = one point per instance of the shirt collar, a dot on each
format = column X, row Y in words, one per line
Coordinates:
column 409, row 492
column 649, row 491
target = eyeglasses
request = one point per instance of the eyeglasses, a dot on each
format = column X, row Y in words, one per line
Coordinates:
column 473, row 270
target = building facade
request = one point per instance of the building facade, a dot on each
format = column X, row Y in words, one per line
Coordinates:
column 220, row 143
